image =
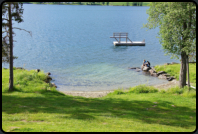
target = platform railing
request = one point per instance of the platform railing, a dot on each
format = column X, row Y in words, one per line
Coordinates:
column 120, row 35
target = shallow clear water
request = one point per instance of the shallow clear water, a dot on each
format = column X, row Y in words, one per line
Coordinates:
column 74, row 44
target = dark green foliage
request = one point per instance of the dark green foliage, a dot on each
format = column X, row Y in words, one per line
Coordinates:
column 16, row 13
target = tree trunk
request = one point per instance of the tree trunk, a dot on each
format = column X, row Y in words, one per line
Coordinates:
column 187, row 65
column 182, row 77
column 11, row 80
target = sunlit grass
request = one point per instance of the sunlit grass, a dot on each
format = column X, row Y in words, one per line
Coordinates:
column 174, row 70
column 139, row 109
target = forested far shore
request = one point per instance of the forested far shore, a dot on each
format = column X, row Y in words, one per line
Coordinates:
column 93, row 3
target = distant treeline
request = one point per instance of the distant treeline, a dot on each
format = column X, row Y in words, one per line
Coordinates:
column 93, row 3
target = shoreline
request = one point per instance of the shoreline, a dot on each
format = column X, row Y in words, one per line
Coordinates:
column 98, row 94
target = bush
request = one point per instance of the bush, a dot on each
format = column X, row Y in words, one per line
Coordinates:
column 118, row 92
column 143, row 89
column 174, row 90
column 162, row 91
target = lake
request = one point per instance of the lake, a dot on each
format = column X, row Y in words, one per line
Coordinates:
column 73, row 43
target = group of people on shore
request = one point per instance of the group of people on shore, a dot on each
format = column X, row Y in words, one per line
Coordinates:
column 146, row 63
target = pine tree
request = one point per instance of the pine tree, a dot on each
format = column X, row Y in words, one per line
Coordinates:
column 11, row 11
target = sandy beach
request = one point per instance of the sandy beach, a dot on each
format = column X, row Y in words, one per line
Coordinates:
column 103, row 93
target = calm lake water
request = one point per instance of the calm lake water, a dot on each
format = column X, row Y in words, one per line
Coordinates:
column 74, row 44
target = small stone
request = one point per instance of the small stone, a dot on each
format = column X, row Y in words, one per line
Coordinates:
column 191, row 117
column 169, row 78
column 167, row 64
column 174, row 63
column 155, row 102
column 173, row 105
column 53, row 85
column 166, row 75
column 160, row 72
column 49, row 78
column 133, row 68
column 161, row 77
column 137, row 70
column 19, row 68
column 37, row 70
column 48, row 73
column 154, row 74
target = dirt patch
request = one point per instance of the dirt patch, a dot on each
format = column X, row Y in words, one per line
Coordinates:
column 168, row 85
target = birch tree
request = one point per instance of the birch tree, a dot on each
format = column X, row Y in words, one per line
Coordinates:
column 177, row 34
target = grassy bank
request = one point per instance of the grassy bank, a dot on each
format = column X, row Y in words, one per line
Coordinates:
column 174, row 70
column 31, row 107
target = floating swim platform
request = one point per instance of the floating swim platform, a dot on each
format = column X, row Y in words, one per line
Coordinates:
column 126, row 43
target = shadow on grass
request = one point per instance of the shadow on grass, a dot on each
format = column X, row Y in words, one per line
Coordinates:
column 91, row 108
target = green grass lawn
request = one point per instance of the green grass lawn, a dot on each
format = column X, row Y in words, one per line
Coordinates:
column 174, row 70
column 140, row 109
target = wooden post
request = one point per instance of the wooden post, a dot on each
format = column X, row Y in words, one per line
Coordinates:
column 187, row 65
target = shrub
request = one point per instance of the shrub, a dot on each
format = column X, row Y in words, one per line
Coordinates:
column 187, row 93
column 162, row 91
column 118, row 92
column 174, row 90
column 143, row 89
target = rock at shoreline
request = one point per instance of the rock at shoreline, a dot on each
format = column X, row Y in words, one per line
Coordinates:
column 166, row 75
column 151, row 71
column 37, row 70
column 162, row 76
column 138, row 70
column 145, row 68
column 170, row 78
column 49, row 78
column 132, row 68
column 167, row 63
column 53, row 85
column 160, row 72
column 174, row 63
column 19, row 68
column 48, row 73
column 154, row 74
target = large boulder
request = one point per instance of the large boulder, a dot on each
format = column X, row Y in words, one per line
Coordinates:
column 146, row 68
